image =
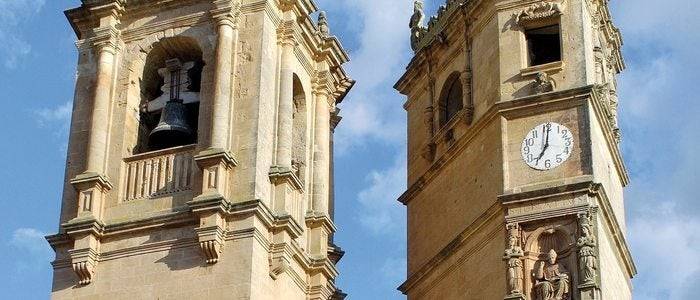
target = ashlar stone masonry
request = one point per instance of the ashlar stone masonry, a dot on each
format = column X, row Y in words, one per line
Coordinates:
column 236, row 201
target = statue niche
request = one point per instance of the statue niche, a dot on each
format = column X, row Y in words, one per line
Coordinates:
column 550, row 261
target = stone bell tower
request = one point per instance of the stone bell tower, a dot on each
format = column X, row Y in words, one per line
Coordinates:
column 515, row 176
column 200, row 152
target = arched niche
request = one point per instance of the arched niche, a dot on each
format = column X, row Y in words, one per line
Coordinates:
column 451, row 99
column 559, row 236
column 186, row 50
column 300, row 128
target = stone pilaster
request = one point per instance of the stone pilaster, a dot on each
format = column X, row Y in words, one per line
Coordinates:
column 217, row 162
column 93, row 184
column 322, row 128
column 285, row 108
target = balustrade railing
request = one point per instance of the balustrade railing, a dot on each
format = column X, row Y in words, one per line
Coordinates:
column 159, row 173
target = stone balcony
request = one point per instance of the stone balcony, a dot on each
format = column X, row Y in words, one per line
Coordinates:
column 159, row 173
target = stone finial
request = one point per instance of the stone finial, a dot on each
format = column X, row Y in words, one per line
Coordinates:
column 416, row 23
column 323, row 28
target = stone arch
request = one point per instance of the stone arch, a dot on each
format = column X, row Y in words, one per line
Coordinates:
column 561, row 238
column 451, row 99
column 153, row 57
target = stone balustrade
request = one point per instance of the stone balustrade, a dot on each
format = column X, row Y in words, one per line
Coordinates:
column 159, row 173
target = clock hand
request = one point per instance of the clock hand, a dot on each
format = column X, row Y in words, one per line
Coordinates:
column 546, row 144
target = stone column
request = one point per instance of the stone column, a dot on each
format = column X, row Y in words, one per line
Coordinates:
column 99, row 124
column 285, row 111
column 216, row 161
column 321, row 154
column 221, row 102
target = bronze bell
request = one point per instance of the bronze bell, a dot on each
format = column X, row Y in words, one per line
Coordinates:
column 172, row 129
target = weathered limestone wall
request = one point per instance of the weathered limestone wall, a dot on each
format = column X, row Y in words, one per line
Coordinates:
column 459, row 193
column 171, row 268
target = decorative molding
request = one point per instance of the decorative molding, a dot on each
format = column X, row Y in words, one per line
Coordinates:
column 539, row 11
column 211, row 242
column 280, row 174
column 84, row 262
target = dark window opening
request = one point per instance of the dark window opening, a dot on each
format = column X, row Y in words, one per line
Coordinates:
column 543, row 45
column 452, row 101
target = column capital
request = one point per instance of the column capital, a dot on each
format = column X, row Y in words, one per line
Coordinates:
column 106, row 39
column 286, row 33
column 226, row 12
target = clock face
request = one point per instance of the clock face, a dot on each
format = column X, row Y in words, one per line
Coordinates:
column 547, row 146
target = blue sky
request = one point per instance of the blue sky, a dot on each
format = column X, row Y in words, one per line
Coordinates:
column 659, row 116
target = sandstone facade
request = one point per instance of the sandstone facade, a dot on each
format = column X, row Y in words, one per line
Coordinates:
column 243, row 212
column 482, row 224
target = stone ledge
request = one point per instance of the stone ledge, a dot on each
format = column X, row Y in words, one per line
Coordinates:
column 280, row 174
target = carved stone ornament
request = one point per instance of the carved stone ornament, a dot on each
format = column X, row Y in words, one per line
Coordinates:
column 551, row 279
column 543, row 83
column 416, row 24
column 512, row 256
column 539, row 11
column 586, row 245
column 323, row 28
column 211, row 241
column 84, row 262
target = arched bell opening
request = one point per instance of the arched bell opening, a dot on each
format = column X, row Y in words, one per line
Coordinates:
column 170, row 88
column 450, row 99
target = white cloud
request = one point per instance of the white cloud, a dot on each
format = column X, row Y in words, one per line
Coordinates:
column 29, row 239
column 373, row 110
column 60, row 114
column 35, row 251
column 380, row 212
column 660, row 128
column 13, row 15
column 666, row 248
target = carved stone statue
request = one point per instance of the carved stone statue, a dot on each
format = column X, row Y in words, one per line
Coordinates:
column 416, row 23
column 515, row 276
column 586, row 251
column 323, row 29
column 543, row 83
column 551, row 279
column 512, row 255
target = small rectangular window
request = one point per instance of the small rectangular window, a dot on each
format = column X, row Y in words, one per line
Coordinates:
column 543, row 45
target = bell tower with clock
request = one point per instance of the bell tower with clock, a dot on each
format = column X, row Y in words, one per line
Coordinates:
column 515, row 175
